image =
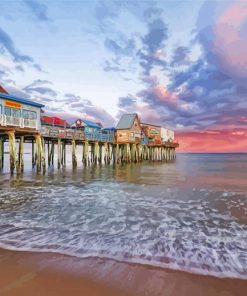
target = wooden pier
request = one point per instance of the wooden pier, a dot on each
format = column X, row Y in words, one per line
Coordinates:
column 22, row 121
column 94, row 152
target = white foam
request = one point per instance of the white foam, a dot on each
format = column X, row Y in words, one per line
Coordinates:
column 129, row 223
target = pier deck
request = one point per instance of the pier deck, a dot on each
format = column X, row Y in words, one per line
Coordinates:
column 95, row 150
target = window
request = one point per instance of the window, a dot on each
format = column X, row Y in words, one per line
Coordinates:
column 27, row 114
column 16, row 113
column 7, row 111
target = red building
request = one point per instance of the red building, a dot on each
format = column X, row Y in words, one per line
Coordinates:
column 54, row 121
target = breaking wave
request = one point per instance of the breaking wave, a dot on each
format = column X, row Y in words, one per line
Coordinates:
column 200, row 231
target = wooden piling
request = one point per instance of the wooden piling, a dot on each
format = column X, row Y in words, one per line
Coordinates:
column 58, row 153
column 74, row 159
column 37, row 155
column 40, row 157
column 52, row 152
column 1, row 152
column 100, row 153
column 12, row 151
column 85, row 153
column 48, row 150
column 33, row 154
column 105, row 153
column 20, row 162
column 96, row 153
column 49, row 153
column 116, row 154
column 64, row 154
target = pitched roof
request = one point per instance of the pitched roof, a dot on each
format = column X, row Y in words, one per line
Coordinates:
column 54, row 120
column 150, row 124
column 2, row 90
column 91, row 123
column 111, row 129
column 20, row 100
column 126, row 121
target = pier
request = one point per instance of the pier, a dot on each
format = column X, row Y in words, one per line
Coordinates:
column 94, row 152
column 130, row 142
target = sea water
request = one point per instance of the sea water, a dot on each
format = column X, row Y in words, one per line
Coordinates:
column 189, row 214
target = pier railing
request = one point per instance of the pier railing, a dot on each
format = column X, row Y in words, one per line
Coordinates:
column 63, row 133
column 6, row 120
column 69, row 133
column 100, row 136
column 167, row 144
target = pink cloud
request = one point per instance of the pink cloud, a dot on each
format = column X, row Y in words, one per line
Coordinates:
column 163, row 95
column 213, row 140
column 230, row 42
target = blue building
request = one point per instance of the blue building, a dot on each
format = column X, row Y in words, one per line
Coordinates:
column 108, row 134
column 91, row 129
column 94, row 131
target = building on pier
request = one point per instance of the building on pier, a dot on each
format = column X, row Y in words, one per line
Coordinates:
column 167, row 135
column 54, row 121
column 108, row 134
column 129, row 129
column 19, row 113
column 94, row 131
column 56, row 127
column 21, row 122
column 152, row 133
column 91, row 129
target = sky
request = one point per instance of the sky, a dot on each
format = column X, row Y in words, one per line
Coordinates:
column 180, row 64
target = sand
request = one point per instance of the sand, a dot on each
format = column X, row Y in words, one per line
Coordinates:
column 39, row 274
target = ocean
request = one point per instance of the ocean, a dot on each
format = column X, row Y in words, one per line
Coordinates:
column 189, row 214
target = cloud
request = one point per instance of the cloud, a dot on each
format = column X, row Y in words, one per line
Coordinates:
column 227, row 140
column 210, row 92
column 7, row 45
column 38, row 82
column 126, row 101
column 39, row 87
column 152, row 45
column 108, row 11
column 72, row 99
column 225, row 39
column 113, row 66
column 39, row 10
column 180, row 56
column 156, row 36
column 131, row 49
column 127, row 48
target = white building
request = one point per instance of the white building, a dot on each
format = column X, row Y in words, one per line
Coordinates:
column 167, row 135
column 19, row 113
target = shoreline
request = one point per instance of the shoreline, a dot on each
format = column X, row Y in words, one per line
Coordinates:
column 144, row 264
column 29, row 273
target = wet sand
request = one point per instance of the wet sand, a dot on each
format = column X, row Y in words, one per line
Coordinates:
column 28, row 273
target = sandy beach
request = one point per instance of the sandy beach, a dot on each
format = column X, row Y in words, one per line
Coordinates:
column 28, row 273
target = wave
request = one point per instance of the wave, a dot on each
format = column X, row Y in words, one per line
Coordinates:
column 195, row 230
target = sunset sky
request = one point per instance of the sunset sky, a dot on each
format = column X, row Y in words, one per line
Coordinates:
column 180, row 64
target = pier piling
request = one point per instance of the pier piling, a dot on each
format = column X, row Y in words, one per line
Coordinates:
column 20, row 161
column 12, row 151
column 59, row 153
column 74, row 159
column 1, row 152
